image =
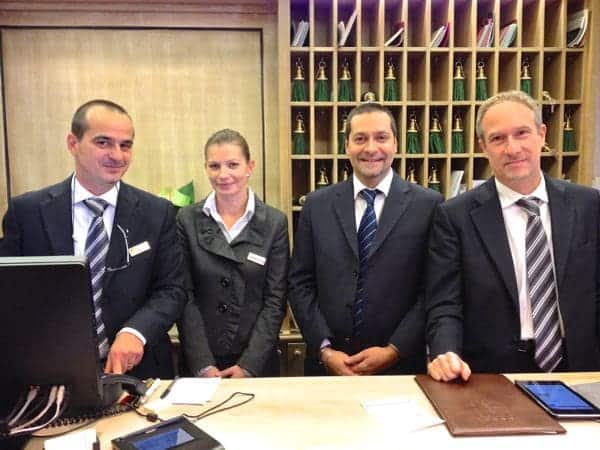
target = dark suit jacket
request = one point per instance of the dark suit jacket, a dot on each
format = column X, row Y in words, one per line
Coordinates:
column 324, row 272
column 472, row 300
column 147, row 296
column 235, row 306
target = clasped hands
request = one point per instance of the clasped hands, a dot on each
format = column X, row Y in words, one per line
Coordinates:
column 370, row 361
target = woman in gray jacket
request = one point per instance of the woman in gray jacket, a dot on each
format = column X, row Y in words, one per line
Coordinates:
column 236, row 258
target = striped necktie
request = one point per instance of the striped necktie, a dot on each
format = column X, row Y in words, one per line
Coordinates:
column 366, row 233
column 96, row 248
column 541, row 289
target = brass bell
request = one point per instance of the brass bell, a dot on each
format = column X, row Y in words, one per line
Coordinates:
column 433, row 182
column 345, row 173
column 390, row 71
column 299, row 124
column 299, row 71
column 481, row 71
column 323, row 180
column 567, row 125
column 411, row 175
column 436, row 127
column 345, row 72
column 457, row 123
column 369, row 96
column 434, row 176
column 344, row 124
column 413, row 126
column 459, row 73
column 321, row 75
column 525, row 71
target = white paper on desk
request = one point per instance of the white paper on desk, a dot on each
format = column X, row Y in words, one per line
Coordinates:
column 401, row 412
column 192, row 391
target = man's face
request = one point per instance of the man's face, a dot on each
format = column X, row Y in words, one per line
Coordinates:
column 103, row 153
column 513, row 145
column 371, row 147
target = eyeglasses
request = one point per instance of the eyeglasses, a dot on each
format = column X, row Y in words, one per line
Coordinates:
column 127, row 259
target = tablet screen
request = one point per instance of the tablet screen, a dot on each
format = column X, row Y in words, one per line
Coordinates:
column 164, row 440
column 559, row 397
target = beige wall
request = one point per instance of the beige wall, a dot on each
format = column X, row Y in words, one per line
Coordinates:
column 178, row 85
column 199, row 68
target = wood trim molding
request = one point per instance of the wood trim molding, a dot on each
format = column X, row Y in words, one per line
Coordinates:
column 231, row 6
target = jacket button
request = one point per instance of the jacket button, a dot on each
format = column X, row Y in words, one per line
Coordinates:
column 347, row 340
column 355, row 273
column 222, row 307
column 225, row 282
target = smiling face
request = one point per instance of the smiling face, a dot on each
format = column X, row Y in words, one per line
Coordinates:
column 103, row 153
column 513, row 144
column 228, row 169
column 371, row 147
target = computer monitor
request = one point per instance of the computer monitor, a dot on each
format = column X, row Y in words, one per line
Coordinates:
column 47, row 328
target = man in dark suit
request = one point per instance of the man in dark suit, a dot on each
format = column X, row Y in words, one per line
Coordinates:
column 355, row 281
column 141, row 290
column 513, row 287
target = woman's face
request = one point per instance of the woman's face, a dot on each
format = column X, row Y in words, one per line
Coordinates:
column 227, row 169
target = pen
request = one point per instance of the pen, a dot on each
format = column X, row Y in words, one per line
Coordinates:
column 168, row 389
column 150, row 391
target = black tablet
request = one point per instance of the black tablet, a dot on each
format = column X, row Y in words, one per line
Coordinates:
column 177, row 433
column 559, row 399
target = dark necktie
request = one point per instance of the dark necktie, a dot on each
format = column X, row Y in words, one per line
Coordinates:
column 96, row 248
column 366, row 233
column 541, row 289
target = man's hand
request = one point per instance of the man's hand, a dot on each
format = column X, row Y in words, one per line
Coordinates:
column 233, row 372
column 373, row 360
column 333, row 360
column 125, row 353
column 210, row 372
column 447, row 367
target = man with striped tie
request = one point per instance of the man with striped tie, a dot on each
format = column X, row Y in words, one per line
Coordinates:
column 355, row 280
column 513, row 278
column 128, row 236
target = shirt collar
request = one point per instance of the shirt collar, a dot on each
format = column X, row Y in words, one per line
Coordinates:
column 210, row 206
column 80, row 193
column 508, row 197
column 383, row 186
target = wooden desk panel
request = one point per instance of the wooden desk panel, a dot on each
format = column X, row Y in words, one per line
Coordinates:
column 326, row 413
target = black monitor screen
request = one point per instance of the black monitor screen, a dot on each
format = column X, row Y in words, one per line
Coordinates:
column 48, row 329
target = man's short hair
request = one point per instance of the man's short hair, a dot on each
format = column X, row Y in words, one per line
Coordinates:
column 508, row 96
column 369, row 107
column 79, row 124
column 228, row 136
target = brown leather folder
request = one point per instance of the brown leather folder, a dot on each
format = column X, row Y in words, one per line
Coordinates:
column 486, row 405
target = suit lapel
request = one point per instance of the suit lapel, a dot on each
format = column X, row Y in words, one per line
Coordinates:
column 562, row 216
column 344, row 210
column 57, row 217
column 126, row 216
column 489, row 223
column 396, row 204
column 209, row 235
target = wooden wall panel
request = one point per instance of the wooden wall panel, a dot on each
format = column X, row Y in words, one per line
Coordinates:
column 178, row 85
column 3, row 182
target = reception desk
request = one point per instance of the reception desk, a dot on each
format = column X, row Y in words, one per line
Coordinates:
column 327, row 413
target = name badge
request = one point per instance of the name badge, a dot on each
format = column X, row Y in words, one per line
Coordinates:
column 139, row 248
column 257, row 258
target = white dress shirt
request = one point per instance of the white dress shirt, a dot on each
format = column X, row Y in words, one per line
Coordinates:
column 82, row 219
column 360, row 204
column 210, row 209
column 515, row 220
